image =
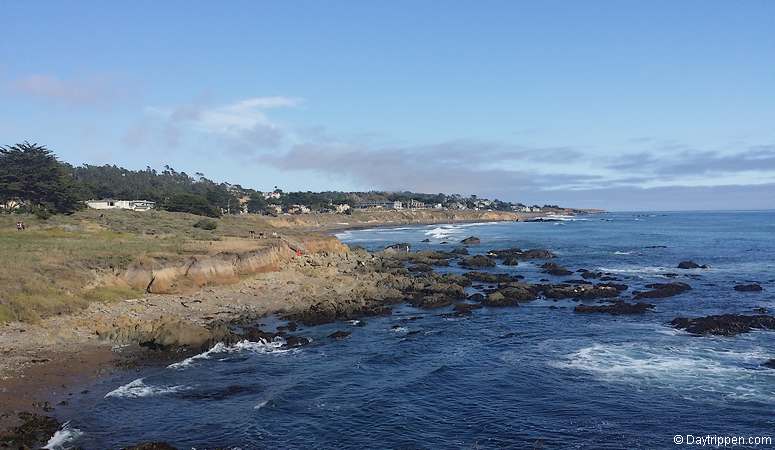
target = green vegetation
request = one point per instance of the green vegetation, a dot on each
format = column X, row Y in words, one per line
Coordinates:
column 206, row 224
column 31, row 176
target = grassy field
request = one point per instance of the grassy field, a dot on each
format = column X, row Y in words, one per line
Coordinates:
column 59, row 265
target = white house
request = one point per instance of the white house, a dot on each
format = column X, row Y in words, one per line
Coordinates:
column 134, row 205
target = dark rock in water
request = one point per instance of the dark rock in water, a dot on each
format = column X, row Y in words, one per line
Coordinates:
column 555, row 269
column 616, row 308
column 510, row 261
column 587, row 275
column 290, row 326
column 425, row 240
column 580, row 291
column 519, row 291
column 725, row 324
column 295, row 341
column 753, row 287
column 401, row 247
column 760, row 310
column 423, row 268
column 33, row 432
column 477, row 297
column 471, row 240
column 339, row 335
column 663, row 290
column 577, row 282
column 670, row 275
column 465, row 308
column 656, row 246
column 537, row 253
column 444, row 243
column 497, row 299
column 485, row 277
column 690, row 265
column 618, row 286
column 514, row 254
column 152, row 446
column 459, row 251
column 608, row 278
column 477, row 261
column 770, row 364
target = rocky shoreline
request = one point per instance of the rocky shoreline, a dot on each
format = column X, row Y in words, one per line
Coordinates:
column 316, row 283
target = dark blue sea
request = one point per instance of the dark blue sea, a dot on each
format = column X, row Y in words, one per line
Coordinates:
column 536, row 376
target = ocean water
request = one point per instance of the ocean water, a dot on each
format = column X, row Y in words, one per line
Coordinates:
column 536, row 376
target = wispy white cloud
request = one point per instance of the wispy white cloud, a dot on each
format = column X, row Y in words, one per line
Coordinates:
column 239, row 126
column 99, row 91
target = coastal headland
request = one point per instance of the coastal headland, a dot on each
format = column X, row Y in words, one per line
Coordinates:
column 91, row 293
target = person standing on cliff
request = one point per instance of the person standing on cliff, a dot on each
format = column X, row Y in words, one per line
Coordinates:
column 19, row 226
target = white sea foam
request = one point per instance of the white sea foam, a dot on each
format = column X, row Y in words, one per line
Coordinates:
column 261, row 404
column 689, row 368
column 443, row 231
column 274, row 346
column 63, row 437
column 399, row 330
column 622, row 253
column 138, row 389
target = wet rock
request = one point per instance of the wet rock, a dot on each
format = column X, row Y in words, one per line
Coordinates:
column 588, row 275
column 425, row 240
column 618, row 286
column 725, row 324
column 517, row 253
column 295, row 341
column 555, row 269
column 430, row 301
column 465, row 308
column 460, row 251
column 477, row 261
column 423, row 268
column 581, row 291
column 753, row 287
column 485, row 277
column 760, row 310
column 663, row 290
column 616, row 308
column 518, row 291
column 769, row 364
column 471, row 240
column 511, row 261
column 536, row 253
column 690, row 265
column 477, row 297
column 152, row 446
column 34, row 431
column 339, row 335
column 497, row 299
column 398, row 248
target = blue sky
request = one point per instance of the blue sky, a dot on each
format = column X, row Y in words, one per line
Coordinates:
column 618, row 105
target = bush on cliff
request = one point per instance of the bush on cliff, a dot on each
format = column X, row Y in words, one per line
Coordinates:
column 206, row 224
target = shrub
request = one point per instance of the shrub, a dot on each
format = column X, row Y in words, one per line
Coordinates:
column 206, row 224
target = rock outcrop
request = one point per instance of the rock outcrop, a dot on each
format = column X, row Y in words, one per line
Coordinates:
column 663, row 290
column 616, row 308
column 724, row 324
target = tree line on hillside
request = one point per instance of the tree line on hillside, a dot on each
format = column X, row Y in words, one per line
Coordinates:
column 33, row 180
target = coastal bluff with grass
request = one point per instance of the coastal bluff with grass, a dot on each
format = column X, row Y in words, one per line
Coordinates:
column 59, row 265
column 76, row 286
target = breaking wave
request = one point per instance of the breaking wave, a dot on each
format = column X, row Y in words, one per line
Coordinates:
column 726, row 373
column 64, row 436
column 255, row 347
column 138, row 389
